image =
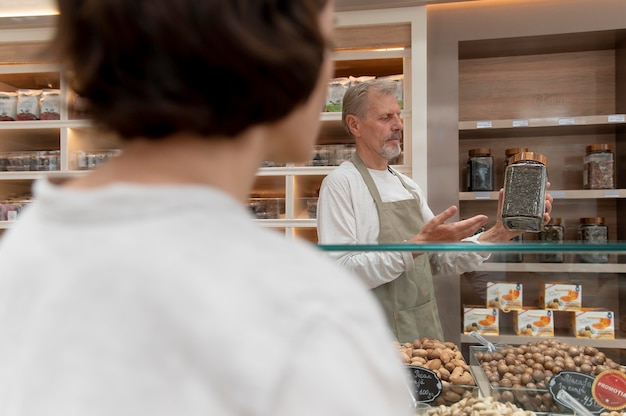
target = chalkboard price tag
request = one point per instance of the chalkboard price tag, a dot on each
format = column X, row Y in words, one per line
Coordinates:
column 424, row 384
column 578, row 385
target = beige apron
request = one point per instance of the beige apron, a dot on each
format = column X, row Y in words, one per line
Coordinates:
column 409, row 300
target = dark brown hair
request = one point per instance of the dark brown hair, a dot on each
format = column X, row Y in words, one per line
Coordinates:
column 212, row 67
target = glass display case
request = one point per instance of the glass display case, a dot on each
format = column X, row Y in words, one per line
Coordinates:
column 570, row 301
column 531, row 329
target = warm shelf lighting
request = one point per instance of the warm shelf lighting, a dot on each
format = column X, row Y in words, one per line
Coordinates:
column 387, row 49
column 28, row 8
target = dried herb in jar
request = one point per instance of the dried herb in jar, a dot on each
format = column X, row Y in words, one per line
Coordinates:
column 480, row 170
column 512, row 256
column 525, row 182
column 552, row 233
column 599, row 167
column 593, row 231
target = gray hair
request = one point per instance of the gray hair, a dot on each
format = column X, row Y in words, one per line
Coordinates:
column 355, row 99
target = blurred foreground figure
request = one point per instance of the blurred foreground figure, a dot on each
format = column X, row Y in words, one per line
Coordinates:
column 145, row 287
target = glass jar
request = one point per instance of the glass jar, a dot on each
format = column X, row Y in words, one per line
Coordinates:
column 508, row 153
column 513, row 256
column 480, row 170
column 552, row 233
column 593, row 231
column 320, row 156
column 599, row 167
column 524, row 198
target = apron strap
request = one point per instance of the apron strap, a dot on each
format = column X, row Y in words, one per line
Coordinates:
column 369, row 181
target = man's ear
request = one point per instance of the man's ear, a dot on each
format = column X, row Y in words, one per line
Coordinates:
column 354, row 124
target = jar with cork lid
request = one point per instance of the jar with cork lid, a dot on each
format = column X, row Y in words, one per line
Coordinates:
column 480, row 170
column 508, row 153
column 525, row 181
column 599, row 167
column 593, row 230
column 552, row 233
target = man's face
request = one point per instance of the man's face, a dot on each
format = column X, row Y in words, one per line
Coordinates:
column 382, row 126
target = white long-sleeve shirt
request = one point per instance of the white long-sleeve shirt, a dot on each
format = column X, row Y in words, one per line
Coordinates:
column 347, row 214
column 169, row 300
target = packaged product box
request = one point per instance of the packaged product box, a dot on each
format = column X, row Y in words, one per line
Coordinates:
column 594, row 323
column 399, row 80
column 560, row 296
column 337, row 87
column 534, row 322
column 28, row 104
column 482, row 320
column 8, row 106
column 504, row 296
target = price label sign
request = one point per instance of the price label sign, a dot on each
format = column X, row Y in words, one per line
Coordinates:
column 609, row 389
column 578, row 385
column 425, row 385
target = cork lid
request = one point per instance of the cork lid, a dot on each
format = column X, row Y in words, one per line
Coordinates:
column 513, row 150
column 599, row 147
column 555, row 221
column 537, row 157
column 592, row 220
column 480, row 151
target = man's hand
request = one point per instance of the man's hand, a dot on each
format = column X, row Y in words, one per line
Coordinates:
column 438, row 230
column 498, row 233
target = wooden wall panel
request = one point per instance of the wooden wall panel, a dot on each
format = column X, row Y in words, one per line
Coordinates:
column 559, row 85
column 373, row 37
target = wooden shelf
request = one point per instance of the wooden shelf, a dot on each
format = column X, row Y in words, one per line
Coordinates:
column 295, row 223
column 554, row 267
column 556, row 194
column 44, row 124
column 571, row 340
column 611, row 119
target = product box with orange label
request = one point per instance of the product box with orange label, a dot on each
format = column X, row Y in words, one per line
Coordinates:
column 504, row 296
column 482, row 320
column 560, row 296
column 534, row 322
column 594, row 323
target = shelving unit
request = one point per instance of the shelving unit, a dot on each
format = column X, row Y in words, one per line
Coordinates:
column 25, row 65
column 367, row 43
column 554, row 100
column 549, row 77
column 373, row 43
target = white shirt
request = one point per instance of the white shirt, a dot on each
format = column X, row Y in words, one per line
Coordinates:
column 347, row 214
column 154, row 300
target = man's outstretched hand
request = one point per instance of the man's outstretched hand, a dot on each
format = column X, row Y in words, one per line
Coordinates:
column 438, row 230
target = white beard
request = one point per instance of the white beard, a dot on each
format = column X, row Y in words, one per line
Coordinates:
column 389, row 152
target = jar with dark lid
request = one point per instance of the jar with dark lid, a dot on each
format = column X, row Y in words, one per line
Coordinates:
column 525, row 181
column 599, row 167
column 552, row 233
column 593, row 231
column 480, row 170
